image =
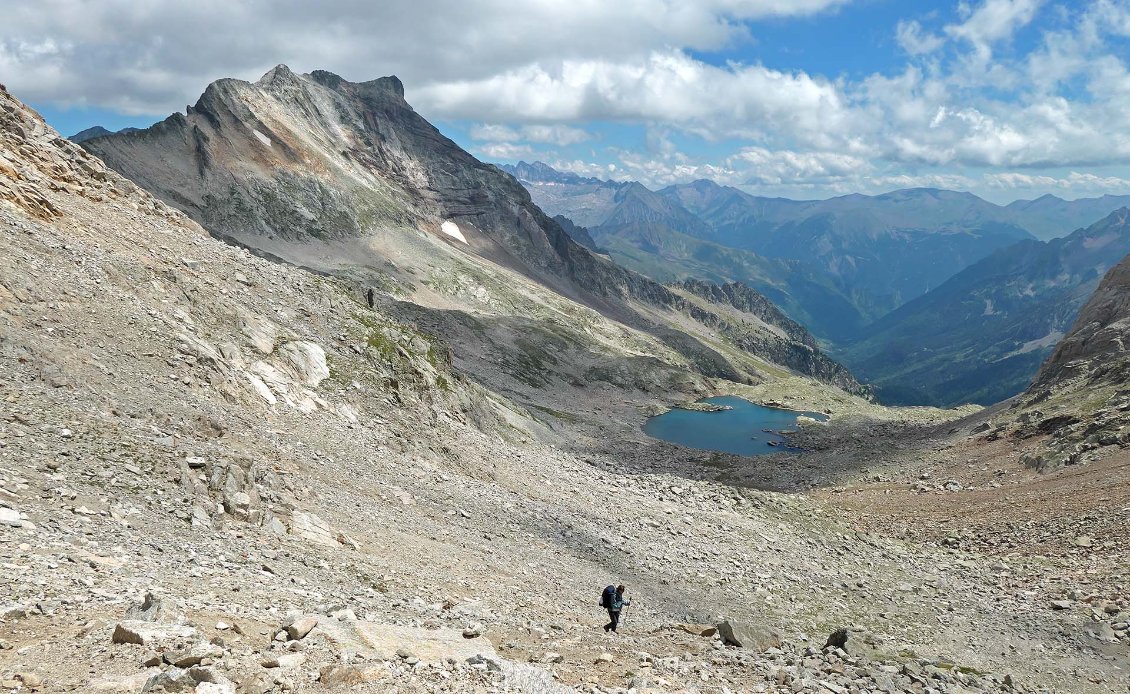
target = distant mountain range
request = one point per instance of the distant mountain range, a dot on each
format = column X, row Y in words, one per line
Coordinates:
column 982, row 334
column 885, row 281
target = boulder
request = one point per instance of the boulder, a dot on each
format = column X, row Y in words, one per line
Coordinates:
column 352, row 675
column 852, row 641
column 485, row 662
column 375, row 640
column 1101, row 631
column 195, row 654
column 313, row 528
column 10, row 517
column 152, row 609
column 198, row 680
column 174, row 679
column 284, row 661
column 745, row 635
column 31, row 680
column 300, row 627
column 148, row 633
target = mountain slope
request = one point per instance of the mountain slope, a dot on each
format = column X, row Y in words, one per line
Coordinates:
column 881, row 250
column 277, row 486
column 346, row 178
column 1080, row 398
column 655, row 236
column 982, row 335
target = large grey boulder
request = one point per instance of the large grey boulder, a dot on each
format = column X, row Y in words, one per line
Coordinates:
column 853, row 642
column 746, row 635
column 152, row 609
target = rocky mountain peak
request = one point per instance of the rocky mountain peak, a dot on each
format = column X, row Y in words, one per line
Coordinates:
column 391, row 84
column 293, row 160
column 279, row 74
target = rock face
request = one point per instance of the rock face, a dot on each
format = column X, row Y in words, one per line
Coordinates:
column 292, row 160
column 1096, row 350
column 1080, row 398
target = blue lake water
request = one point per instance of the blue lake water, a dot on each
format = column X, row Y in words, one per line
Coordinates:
column 740, row 430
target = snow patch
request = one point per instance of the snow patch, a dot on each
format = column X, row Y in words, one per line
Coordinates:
column 262, row 138
column 452, row 229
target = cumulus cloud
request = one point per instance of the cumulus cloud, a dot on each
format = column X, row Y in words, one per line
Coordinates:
column 993, row 21
column 505, row 151
column 913, row 39
column 546, row 134
column 953, row 99
column 156, row 56
column 779, row 166
column 1074, row 181
column 668, row 86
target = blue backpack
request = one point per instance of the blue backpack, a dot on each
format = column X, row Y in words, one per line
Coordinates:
column 607, row 597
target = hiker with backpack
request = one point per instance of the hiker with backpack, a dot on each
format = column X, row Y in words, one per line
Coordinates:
column 613, row 600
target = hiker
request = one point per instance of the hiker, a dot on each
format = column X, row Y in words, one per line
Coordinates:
column 613, row 600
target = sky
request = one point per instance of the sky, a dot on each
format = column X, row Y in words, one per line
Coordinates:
column 1007, row 99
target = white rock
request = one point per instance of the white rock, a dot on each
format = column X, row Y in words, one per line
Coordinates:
column 285, row 661
column 148, row 633
column 10, row 517
column 307, row 360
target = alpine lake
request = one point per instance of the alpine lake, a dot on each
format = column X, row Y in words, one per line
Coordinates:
column 743, row 429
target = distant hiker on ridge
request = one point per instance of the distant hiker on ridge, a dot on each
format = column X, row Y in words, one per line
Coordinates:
column 613, row 600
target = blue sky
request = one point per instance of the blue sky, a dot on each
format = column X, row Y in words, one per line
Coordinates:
column 804, row 98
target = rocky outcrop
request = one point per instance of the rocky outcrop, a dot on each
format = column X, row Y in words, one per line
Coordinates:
column 1097, row 350
column 577, row 233
column 749, row 300
column 34, row 159
column 1080, row 401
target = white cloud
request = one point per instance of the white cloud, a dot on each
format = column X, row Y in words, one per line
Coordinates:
column 914, row 40
column 157, row 56
column 1074, row 181
column 555, row 134
column 781, row 166
column 668, row 86
column 505, row 151
column 993, row 21
column 547, row 134
column 494, row 133
column 952, row 99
